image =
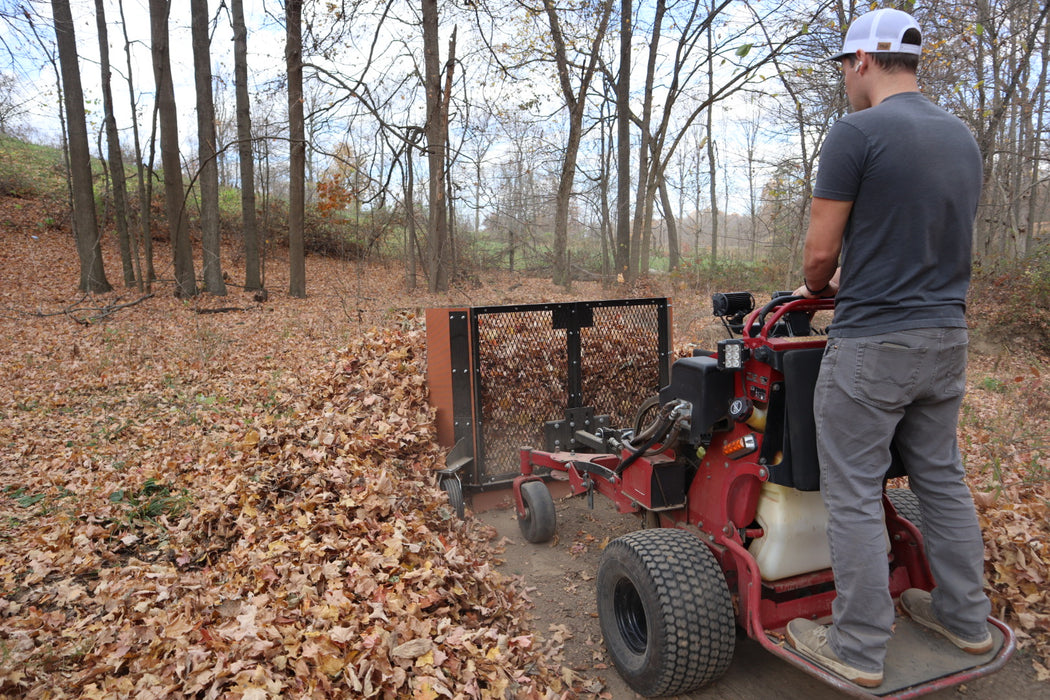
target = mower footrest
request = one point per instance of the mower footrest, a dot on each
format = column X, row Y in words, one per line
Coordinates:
column 918, row 661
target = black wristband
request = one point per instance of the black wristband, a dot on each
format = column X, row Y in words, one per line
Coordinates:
column 815, row 292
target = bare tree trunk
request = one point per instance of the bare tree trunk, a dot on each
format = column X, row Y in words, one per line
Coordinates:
column 1036, row 190
column 185, row 277
column 446, row 98
column 519, row 211
column 711, row 163
column 147, row 218
column 751, row 128
column 249, row 224
column 623, row 146
column 263, row 156
column 454, row 253
column 672, row 227
column 89, row 248
column 683, row 176
column 437, row 227
column 642, row 220
column 145, row 277
column 477, row 206
column 605, row 227
column 649, row 203
column 297, row 148
column 698, row 155
column 209, row 170
column 576, row 102
column 410, row 222
column 116, row 160
column 713, row 192
column 562, row 275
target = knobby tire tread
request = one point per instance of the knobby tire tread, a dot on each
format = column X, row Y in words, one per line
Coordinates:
column 694, row 605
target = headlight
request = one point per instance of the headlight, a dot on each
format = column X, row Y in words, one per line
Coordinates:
column 732, row 354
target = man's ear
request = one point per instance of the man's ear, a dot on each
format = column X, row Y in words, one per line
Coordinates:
column 860, row 61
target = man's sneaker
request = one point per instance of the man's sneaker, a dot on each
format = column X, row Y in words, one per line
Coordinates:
column 919, row 606
column 811, row 640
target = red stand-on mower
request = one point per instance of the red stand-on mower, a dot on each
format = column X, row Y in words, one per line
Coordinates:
column 722, row 469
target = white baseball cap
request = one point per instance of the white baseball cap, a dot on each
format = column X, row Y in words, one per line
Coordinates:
column 879, row 31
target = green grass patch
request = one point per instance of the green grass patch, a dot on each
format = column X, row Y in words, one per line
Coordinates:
column 30, row 170
column 992, row 384
column 42, row 502
column 24, row 499
column 152, row 500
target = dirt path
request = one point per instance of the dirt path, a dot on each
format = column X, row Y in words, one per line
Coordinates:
column 559, row 577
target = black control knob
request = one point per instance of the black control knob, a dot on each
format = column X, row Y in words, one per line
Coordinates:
column 741, row 409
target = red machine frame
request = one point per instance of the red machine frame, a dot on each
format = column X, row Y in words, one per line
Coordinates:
column 720, row 508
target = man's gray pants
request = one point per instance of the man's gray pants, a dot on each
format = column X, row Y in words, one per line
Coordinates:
column 905, row 388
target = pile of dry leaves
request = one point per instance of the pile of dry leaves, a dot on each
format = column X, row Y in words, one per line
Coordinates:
column 1005, row 438
column 306, row 554
column 224, row 504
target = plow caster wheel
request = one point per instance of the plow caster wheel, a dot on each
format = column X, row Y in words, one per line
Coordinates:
column 540, row 521
column 452, row 486
column 665, row 611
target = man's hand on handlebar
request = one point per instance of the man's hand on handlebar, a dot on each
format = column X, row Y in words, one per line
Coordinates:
column 830, row 290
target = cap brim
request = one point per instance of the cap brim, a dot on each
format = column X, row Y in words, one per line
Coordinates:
column 914, row 49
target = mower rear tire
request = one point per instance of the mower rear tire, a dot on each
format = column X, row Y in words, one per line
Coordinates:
column 906, row 503
column 665, row 611
column 540, row 521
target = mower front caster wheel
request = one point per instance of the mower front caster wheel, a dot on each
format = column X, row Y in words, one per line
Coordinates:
column 665, row 611
column 540, row 522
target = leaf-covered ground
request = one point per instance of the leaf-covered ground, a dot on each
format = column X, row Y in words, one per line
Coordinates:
column 242, row 503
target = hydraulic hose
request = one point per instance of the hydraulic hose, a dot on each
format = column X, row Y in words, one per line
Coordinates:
column 661, row 424
column 633, row 457
column 670, row 439
column 667, row 424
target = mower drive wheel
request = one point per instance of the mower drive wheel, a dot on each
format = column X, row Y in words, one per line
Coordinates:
column 906, row 503
column 454, row 488
column 540, row 521
column 665, row 611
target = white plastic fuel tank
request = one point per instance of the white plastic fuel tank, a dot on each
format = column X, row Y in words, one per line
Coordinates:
column 795, row 539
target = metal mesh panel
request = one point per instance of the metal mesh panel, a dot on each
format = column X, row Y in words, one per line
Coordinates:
column 534, row 362
column 621, row 360
column 522, row 383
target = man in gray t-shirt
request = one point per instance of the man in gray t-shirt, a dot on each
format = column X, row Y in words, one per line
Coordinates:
column 890, row 237
column 913, row 175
